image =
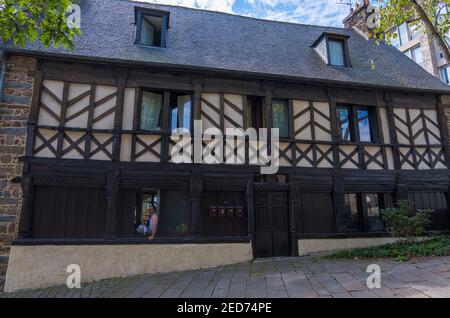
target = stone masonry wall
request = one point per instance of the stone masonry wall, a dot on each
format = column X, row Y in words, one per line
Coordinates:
column 14, row 110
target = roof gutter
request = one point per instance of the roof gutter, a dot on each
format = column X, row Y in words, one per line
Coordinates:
column 3, row 74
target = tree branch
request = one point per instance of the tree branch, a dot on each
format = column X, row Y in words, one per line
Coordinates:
column 432, row 29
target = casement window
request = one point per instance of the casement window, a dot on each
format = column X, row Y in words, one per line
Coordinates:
column 445, row 74
column 151, row 111
column 152, row 108
column 280, row 118
column 356, row 124
column 333, row 49
column 151, row 27
column 362, row 212
column 180, row 111
column 404, row 33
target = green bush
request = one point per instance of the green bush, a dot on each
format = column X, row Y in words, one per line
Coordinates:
column 400, row 251
column 400, row 222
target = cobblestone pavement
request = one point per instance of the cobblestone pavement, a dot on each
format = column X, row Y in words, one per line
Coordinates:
column 287, row 277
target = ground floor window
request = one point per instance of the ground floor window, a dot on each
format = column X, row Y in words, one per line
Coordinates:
column 362, row 212
column 169, row 210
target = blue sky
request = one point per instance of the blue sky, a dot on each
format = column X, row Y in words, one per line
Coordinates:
column 321, row 12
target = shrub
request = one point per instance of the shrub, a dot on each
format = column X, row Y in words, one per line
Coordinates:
column 400, row 222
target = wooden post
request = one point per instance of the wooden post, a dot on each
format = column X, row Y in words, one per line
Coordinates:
column 118, row 116
column 26, row 213
column 112, row 188
column 339, row 200
column 335, row 135
column 34, row 113
column 392, row 131
column 250, row 212
column 293, row 203
column 196, row 203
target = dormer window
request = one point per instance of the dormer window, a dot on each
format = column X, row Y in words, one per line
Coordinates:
column 336, row 52
column 151, row 27
column 333, row 50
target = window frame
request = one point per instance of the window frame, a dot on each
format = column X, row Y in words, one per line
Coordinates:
column 354, row 124
column 362, row 209
column 164, row 15
column 288, row 116
column 165, row 111
column 337, row 37
column 343, row 40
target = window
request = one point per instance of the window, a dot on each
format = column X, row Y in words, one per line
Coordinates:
column 336, row 52
column 356, row 124
column 416, row 53
column 333, row 49
column 445, row 74
column 404, row 33
column 362, row 116
column 344, row 123
column 280, row 118
column 395, row 39
column 372, row 202
column 254, row 115
column 414, row 30
column 151, row 111
column 352, row 217
column 180, row 112
column 362, row 212
column 151, row 27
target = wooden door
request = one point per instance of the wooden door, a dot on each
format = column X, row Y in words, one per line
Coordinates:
column 271, row 224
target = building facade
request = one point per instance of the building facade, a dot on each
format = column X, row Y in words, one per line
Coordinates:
column 411, row 40
column 92, row 151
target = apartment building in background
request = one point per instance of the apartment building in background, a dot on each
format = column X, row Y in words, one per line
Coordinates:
column 411, row 40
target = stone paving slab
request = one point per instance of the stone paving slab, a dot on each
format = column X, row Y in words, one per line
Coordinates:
column 275, row 278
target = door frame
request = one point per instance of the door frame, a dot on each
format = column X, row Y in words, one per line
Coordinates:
column 292, row 227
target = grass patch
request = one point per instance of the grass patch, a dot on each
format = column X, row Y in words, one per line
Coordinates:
column 401, row 251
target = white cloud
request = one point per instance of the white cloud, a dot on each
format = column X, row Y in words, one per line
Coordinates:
column 321, row 12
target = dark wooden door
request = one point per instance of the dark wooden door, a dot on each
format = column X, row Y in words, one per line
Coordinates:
column 271, row 224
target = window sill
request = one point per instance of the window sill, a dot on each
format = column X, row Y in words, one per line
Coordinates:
column 150, row 46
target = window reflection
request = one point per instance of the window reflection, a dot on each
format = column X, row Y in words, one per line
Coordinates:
column 180, row 112
column 344, row 123
column 364, row 125
column 352, row 218
column 373, row 212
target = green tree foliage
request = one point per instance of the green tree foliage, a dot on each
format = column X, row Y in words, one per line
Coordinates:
column 23, row 21
column 432, row 15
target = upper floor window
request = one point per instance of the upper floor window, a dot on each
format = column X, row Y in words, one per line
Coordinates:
column 445, row 75
column 332, row 48
column 180, row 111
column 280, row 118
column 151, row 27
column 152, row 110
column 356, row 124
column 415, row 54
column 336, row 52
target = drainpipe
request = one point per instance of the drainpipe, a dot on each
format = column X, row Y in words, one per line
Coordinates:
column 3, row 74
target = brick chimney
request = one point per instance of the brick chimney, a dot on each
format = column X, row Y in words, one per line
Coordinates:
column 358, row 17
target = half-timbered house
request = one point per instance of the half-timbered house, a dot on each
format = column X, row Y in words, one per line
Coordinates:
column 360, row 127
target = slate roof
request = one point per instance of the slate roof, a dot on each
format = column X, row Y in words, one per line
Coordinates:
column 224, row 42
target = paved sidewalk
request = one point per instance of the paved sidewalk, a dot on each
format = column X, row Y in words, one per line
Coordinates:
column 287, row 277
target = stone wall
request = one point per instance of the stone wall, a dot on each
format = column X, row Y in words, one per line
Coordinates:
column 14, row 110
column 357, row 18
